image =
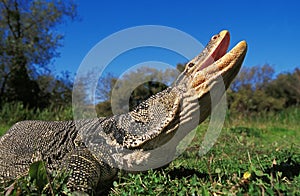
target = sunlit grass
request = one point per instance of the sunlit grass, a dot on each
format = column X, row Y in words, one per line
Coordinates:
column 257, row 154
column 253, row 155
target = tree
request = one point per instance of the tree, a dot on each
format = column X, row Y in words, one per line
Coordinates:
column 180, row 67
column 256, row 77
column 28, row 43
column 286, row 86
column 154, row 82
column 248, row 93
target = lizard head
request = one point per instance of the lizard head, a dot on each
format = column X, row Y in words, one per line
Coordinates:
column 212, row 62
column 212, row 66
column 165, row 111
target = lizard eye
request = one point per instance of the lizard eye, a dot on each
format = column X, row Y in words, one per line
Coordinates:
column 215, row 37
column 191, row 64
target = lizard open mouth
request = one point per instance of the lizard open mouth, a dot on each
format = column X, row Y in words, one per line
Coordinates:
column 216, row 48
column 214, row 60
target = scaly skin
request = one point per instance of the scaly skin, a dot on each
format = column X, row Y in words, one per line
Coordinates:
column 95, row 149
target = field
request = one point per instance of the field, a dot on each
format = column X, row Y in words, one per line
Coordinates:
column 257, row 155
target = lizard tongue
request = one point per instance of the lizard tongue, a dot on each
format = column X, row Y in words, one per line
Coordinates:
column 219, row 51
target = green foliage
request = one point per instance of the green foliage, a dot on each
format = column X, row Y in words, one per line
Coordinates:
column 10, row 113
column 39, row 182
column 287, row 87
column 28, row 42
column 221, row 177
column 158, row 183
column 248, row 102
column 104, row 109
column 38, row 172
column 248, row 94
column 254, row 155
column 257, row 77
column 255, row 91
column 254, row 158
column 131, row 89
column 144, row 91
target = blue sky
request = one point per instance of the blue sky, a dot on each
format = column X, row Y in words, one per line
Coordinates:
column 271, row 28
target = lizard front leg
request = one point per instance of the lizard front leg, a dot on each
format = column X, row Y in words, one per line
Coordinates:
column 88, row 174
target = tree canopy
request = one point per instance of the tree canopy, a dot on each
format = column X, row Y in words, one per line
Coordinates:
column 254, row 90
column 28, row 43
column 29, row 39
column 131, row 89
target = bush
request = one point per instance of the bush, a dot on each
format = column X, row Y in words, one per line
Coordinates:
column 10, row 113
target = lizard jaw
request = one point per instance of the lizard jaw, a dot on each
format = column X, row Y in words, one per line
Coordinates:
column 213, row 61
column 220, row 44
column 214, row 50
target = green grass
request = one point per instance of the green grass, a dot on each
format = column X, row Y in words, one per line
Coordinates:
column 12, row 113
column 254, row 155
